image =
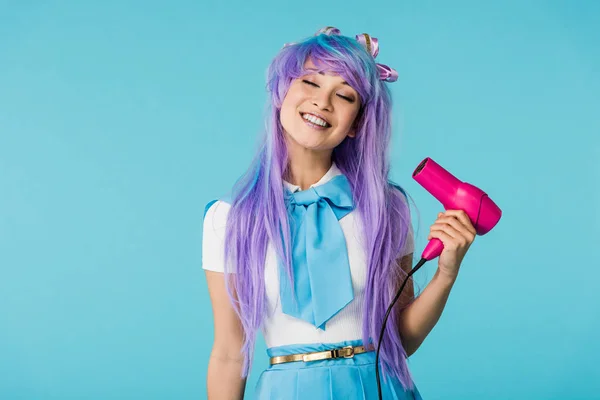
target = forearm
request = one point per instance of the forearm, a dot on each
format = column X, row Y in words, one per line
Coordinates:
column 419, row 318
column 224, row 381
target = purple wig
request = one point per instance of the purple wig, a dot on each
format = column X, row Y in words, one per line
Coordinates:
column 258, row 213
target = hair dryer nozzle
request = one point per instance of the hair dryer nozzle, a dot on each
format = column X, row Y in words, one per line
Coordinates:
column 436, row 180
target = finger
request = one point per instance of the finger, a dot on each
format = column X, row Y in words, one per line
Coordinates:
column 463, row 218
column 460, row 238
column 458, row 225
column 448, row 241
column 447, row 229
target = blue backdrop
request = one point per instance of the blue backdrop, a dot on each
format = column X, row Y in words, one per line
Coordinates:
column 120, row 120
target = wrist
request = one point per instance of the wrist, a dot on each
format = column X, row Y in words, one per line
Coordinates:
column 445, row 277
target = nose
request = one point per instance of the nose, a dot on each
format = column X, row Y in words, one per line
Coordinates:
column 322, row 100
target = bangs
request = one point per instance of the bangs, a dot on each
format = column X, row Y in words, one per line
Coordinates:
column 335, row 54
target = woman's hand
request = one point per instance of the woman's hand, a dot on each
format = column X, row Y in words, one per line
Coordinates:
column 454, row 229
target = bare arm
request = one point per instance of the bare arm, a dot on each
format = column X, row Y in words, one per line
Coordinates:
column 224, row 381
column 418, row 319
column 455, row 230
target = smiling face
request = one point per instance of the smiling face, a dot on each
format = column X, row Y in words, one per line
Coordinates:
column 324, row 99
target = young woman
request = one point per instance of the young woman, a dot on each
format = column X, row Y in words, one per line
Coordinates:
column 314, row 240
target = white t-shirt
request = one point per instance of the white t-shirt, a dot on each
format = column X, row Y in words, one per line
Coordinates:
column 281, row 329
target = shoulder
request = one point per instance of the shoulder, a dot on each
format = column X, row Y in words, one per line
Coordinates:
column 216, row 212
column 213, row 235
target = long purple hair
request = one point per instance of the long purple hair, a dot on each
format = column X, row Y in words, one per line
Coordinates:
column 258, row 212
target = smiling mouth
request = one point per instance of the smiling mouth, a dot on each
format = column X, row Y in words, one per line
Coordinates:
column 328, row 125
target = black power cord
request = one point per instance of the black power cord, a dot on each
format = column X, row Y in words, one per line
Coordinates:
column 419, row 265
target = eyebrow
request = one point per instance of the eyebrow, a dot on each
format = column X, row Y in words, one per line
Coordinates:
column 322, row 73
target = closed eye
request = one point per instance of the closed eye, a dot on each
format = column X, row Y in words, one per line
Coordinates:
column 348, row 99
column 310, row 83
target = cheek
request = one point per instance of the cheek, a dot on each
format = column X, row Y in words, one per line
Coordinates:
column 350, row 118
column 287, row 113
column 289, row 106
column 295, row 98
column 290, row 101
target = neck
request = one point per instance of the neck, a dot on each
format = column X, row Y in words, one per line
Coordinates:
column 308, row 168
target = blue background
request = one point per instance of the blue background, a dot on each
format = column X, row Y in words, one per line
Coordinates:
column 120, row 120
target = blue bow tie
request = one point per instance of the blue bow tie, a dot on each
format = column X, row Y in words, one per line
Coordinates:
column 322, row 280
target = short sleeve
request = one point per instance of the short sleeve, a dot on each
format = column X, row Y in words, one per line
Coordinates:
column 213, row 236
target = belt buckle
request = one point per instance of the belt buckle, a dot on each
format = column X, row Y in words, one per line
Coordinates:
column 349, row 354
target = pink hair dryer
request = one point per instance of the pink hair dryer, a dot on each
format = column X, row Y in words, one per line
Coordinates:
column 455, row 195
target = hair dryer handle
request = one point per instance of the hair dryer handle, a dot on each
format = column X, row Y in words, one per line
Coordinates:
column 433, row 249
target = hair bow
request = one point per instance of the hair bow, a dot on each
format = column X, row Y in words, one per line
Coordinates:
column 386, row 73
column 371, row 44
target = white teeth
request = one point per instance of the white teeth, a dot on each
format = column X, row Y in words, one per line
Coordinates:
column 314, row 120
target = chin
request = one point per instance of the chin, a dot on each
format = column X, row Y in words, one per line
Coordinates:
column 308, row 142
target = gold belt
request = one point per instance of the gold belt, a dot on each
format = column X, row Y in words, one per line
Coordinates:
column 343, row 352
